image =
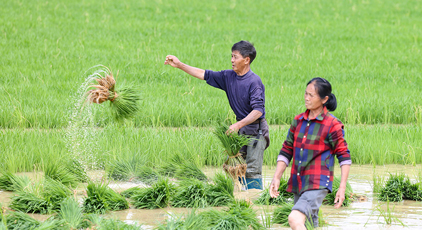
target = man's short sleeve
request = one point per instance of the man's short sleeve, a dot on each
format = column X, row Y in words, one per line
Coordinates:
column 215, row 79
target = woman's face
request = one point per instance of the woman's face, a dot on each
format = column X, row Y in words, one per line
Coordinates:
column 312, row 99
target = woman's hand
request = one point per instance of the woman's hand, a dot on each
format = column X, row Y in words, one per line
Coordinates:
column 274, row 188
column 338, row 201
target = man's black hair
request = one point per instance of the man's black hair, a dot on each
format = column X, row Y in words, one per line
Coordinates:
column 246, row 49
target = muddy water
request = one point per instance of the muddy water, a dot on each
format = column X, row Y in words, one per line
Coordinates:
column 359, row 215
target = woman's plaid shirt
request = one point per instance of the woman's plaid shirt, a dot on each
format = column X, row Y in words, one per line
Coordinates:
column 312, row 145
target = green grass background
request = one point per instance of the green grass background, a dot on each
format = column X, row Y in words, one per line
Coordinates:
column 370, row 51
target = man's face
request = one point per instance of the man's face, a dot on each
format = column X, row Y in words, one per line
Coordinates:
column 238, row 61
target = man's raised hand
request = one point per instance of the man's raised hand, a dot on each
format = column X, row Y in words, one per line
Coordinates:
column 173, row 61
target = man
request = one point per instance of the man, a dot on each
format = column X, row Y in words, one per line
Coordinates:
column 246, row 95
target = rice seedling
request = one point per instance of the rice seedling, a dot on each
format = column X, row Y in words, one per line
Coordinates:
column 71, row 213
column 100, row 199
column 265, row 198
column 348, row 195
column 20, row 220
column 77, row 169
column 94, row 221
column 125, row 169
column 191, row 193
column 281, row 214
column 220, row 192
column 124, row 101
column 128, row 193
column 12, row 182
column 147, row 175
column 399, row 187
column 239, row 215
column 387, row 214
column 59, row 172
column 156, row 196
column 232, row 142
column 188, row 170
column 169, row 168
column 192, row 220
column 43, row 197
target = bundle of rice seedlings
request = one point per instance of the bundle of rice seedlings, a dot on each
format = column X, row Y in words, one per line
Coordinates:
column 124, row 169
column 100, row 223
column 191, row 193
column 20, row 220
column 156, row 196
column 284, row 196
column 232, row 142
column 128, row 193
column 169, row 168
column 43, row 198
column 147, row 175
column 220, row 193
column 71, row 213
column 124, row 101
column 55, row 192
column 78, row 170
column 348, row 195
column 281, row 214
column 12, row 182
column 239, row 216
column 59, row 172
column 192, row 220
column 100, row 199
column 188, row 170
column 399, row 187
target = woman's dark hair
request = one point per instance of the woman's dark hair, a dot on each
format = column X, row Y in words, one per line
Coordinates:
column 323, row 87
column 246, row 49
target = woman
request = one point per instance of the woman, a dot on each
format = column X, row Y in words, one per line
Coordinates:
column 314, row 137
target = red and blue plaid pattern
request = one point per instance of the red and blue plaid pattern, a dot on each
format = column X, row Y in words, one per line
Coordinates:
column 312, row 145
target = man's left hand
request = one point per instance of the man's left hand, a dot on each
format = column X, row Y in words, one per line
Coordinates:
column 338, row 201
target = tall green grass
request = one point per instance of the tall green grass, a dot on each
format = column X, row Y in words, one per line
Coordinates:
column 31, row 149
column 369, row 50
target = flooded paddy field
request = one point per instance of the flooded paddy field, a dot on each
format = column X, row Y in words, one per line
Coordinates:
column 361, row 214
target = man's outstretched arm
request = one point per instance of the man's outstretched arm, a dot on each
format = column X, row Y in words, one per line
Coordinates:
column 174, row 61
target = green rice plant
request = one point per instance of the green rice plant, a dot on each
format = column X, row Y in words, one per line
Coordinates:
column 128, row 193
column 156, row 196
column 125, row 169
column 281, row 214
column 239, row 215
column 147, row 175
column 59, row 172
column 54, row 192
column 20, row 220
column 190, row 193
column 71, row 213
column 12, row 182
column 348, row 194
column 393, row 189
column 284, row 196
column 95, row 221
column 100, row 199
column 192, row 220
column 43, row 197
column 266, row 217
column 377, row 182
column 169, row 168
column 188, row 170
column 220, row 192
column 77, row 169
column 387, row 214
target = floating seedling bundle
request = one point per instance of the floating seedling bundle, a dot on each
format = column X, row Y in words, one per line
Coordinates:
column 123, row 101
column 235, row 165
